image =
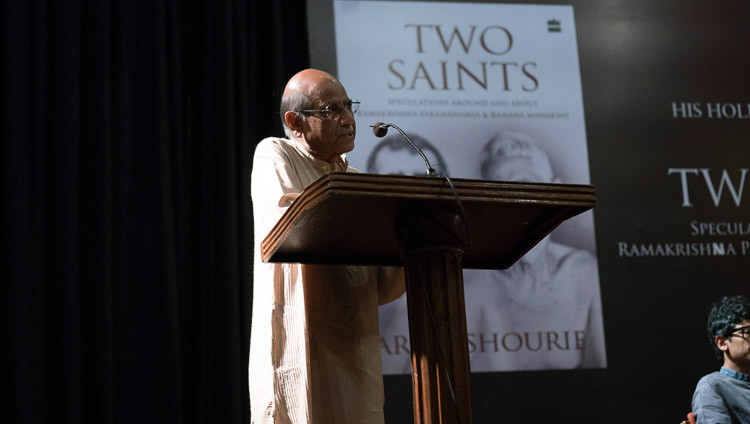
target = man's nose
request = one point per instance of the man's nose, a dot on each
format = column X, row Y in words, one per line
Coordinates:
column 347, row 117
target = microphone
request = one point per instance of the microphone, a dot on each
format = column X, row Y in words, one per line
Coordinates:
column 380, row 129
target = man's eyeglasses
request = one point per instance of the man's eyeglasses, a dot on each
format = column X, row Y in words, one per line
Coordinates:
column 333, row 110
column 744, row 332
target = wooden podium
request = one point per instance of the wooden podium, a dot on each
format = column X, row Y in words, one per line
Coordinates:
column 416, row 222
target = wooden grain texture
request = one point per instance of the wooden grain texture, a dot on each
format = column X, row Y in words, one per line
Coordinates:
column 348, row 218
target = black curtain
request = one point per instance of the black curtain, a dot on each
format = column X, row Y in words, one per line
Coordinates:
column 128, row 129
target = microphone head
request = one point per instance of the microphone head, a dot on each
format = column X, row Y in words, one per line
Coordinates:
column 379, row 129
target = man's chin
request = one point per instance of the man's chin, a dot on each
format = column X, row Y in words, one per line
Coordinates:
column 347, row 144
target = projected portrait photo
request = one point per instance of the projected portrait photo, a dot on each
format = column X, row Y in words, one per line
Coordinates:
column 544, row 312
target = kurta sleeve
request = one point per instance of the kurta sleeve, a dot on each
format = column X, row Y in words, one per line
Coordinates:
column 275, row 184
column 391, row 284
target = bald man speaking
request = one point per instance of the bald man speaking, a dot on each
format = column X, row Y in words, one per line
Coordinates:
column 314, row 345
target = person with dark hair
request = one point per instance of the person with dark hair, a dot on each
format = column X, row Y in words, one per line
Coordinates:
column 724, row 396
column 314, row 347
column 396, row 156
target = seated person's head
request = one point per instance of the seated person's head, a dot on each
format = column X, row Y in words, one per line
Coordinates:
column 726, row 317
column 394, row 155
column 512, row 156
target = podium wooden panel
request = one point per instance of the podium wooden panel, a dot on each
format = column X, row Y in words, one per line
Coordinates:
column 415, row 222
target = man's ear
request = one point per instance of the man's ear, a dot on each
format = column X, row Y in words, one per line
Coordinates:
column 294, row 122
column 722, row 342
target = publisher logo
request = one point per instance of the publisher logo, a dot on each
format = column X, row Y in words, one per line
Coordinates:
column 553, row 25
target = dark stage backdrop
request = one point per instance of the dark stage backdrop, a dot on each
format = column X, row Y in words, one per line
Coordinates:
column 667, row 115
column 127, row 135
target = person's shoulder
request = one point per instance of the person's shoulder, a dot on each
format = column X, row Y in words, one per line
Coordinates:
column 710, row 378
column 274, row 149
column 567, row 253
column 273, row 144
column 711, row 383
column 571, row 259
column 707, row 394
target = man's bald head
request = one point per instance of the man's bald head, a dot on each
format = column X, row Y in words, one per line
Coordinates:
column 301, row 91
column 512, row 156
column 309, row 81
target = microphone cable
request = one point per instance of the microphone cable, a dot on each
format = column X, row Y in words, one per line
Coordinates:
column 380, row 129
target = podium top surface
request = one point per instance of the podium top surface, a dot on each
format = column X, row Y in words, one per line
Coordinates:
column 348, row 218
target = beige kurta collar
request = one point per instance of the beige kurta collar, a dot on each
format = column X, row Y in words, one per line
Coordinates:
column 338, row 163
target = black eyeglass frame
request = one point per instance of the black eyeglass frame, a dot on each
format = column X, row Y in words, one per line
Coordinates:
column 744, row 332
column 352, row 105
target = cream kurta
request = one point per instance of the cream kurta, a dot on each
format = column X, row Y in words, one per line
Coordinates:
column 314, row 347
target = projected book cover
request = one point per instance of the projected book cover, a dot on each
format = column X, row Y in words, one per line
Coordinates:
column 490, row 91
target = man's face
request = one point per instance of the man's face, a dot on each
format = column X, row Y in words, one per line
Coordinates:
column 737, row 352
column 326, row 138
column 522, row 168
